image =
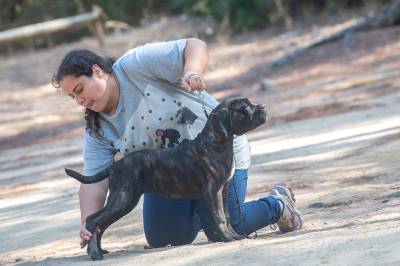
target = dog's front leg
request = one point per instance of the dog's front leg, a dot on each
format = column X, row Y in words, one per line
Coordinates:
column 216, row 206
column 119, row 203
column 94, row 250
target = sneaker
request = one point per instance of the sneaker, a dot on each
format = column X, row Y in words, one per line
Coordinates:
column 291, row 219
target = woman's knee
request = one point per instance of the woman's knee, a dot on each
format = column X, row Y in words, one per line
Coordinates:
column 167, row 237
column 168, row 221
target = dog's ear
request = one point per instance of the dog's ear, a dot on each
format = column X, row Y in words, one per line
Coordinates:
column 221, row 124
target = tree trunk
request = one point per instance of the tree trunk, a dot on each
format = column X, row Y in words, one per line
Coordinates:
column 283, row 13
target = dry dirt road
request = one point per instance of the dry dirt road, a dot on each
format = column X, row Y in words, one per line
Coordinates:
column 333, row 134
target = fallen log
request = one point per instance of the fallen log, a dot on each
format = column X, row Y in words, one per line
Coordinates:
column 387, row 16
column 91, row 19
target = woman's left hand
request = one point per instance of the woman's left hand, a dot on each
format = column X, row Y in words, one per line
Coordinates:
column 193, row 81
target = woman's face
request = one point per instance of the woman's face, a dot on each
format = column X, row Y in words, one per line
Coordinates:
column 90, row 92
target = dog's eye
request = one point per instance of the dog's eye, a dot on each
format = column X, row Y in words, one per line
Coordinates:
column 242, row 115
column 247, row 110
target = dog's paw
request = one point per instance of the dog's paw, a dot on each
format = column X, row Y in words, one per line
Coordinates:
column 105, row 251
column 235, row 235
column 95, row 254
column 238, row 237
column 231, row 236
column 93, row 251
column 227, row 237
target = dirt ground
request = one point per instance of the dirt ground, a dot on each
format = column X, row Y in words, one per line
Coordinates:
column 333, row 134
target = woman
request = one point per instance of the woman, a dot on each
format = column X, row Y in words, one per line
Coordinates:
column 149, row 98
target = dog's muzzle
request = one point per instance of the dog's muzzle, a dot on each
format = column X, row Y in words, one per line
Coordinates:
column 260, row 113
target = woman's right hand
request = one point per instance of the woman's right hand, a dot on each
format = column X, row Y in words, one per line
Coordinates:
column 193, row 81
column 85, row 236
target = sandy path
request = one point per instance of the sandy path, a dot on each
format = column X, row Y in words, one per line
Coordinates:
column 333, row 134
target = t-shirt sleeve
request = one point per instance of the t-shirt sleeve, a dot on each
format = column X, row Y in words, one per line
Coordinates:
column 161, row 60
column 97, row 154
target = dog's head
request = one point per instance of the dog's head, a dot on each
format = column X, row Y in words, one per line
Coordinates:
column 238, row 116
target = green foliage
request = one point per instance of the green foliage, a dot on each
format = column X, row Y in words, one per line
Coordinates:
column 247, row 14
column 250, row 14
column 237, row 15
column 132, row 11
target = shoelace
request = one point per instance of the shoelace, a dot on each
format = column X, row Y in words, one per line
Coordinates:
column 294, row 214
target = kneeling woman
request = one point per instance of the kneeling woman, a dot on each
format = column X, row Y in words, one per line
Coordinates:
column 146, row 100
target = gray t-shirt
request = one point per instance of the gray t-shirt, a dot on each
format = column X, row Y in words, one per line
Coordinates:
column 153, row 111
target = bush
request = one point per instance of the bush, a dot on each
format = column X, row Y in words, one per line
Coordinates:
column 237, row 15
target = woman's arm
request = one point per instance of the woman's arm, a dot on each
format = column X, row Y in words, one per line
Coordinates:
column 167, row 61
column 196, row 61
column 92, row 198
column 97, row 154
column 196, row 56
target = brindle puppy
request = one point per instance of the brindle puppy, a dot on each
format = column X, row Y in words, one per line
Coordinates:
column 195, row 169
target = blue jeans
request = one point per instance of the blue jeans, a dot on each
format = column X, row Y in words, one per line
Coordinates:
column 177, row 222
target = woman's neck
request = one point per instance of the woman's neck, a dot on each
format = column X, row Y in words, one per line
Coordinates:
column 114, row 88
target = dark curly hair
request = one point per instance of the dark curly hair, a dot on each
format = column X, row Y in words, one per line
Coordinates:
column 78, row 63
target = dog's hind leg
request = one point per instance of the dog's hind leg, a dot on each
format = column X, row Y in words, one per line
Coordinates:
column 119, row 204
column 216, row 207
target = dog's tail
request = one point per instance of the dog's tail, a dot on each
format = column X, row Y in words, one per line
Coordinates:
column 88, row 179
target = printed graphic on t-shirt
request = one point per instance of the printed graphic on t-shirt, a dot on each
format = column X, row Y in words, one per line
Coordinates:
column 162, row 120
column 186, row 116
column 169, row 134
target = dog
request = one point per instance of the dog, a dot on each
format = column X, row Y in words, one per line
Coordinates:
column 198, row 168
